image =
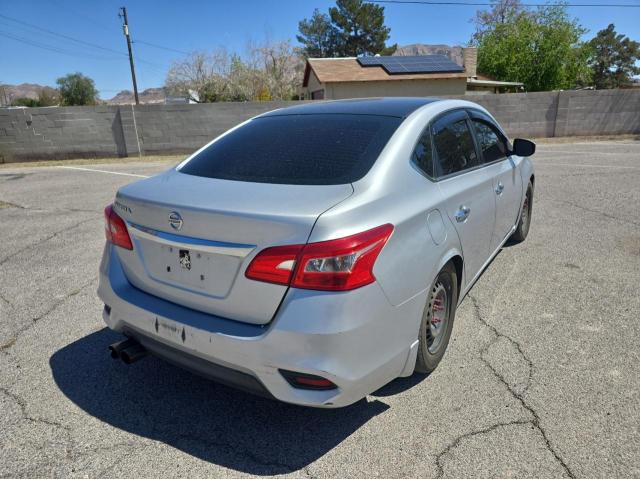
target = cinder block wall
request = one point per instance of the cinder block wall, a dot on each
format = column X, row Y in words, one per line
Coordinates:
column 52, row 133
column 29, row 134
column 105, row 131
column 530, row 115
column 566, row 113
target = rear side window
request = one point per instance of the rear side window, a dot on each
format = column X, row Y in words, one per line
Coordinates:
column 322, row 149
column 423, row 154
column 454, row 144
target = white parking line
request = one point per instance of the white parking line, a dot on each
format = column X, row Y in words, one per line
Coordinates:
column 103, row 171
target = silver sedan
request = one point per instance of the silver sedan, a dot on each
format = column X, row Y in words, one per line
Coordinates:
column 315, row 253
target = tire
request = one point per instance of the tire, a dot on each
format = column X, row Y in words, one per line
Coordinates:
column 522, row 230
column 441, row 305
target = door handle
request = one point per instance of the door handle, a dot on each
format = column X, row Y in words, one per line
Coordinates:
column 462, row 214
column 499, row 188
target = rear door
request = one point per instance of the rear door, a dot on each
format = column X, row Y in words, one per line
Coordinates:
column 466, row 186
column 507, row 183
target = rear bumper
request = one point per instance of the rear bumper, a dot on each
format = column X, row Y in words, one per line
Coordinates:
column 357, row 340
column 222, row 374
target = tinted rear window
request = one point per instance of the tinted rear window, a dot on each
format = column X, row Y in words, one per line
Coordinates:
column 321, row 149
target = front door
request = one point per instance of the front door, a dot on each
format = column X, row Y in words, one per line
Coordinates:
column 507, row 186
column 507, row 183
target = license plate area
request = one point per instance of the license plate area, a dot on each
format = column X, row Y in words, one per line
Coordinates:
column 189, row 269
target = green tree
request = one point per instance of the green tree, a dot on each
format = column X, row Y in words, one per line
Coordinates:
column 318, row 36
column 613, row 58
column 502, row 11
column 77, row 89
column 541, row 49
column 28, row 102
column 48, row 97
column 352, row 28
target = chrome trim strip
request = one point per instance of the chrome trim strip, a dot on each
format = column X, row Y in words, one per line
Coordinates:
column 187, row 242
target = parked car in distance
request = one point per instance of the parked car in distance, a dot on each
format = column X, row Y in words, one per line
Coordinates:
column 315, row 253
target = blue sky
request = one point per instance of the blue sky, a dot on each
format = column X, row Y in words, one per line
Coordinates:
column 204, row 25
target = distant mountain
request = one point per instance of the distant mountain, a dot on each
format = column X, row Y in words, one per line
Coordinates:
column 10, row 93
column 150, row 95
column 454, row 53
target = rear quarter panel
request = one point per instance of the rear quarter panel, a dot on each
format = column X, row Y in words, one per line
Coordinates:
column 396, row 192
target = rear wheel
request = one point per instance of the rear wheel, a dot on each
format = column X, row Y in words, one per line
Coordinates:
column 437, row 320
column 522, row 230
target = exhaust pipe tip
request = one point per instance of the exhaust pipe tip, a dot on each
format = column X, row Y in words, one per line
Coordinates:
column 133, row 353
column 116, row 349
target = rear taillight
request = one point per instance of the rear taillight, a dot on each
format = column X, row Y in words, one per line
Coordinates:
column 115, row 229
column 336, row 265
column 274, row 265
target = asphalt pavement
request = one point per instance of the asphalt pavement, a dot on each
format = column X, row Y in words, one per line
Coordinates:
column 541, row 379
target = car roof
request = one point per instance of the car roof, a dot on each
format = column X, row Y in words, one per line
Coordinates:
column 400, row 107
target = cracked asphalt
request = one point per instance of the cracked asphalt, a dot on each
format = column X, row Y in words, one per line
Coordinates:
column 541, row 379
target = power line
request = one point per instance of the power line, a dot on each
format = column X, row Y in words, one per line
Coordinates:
column 161, row 47
column 89, row 44
column 92, row 20
column 489, row 4
column 102, row 25
column 67, row 37
column 152, row 66
column 50, row 48
column 86, row 17
column 44, row 46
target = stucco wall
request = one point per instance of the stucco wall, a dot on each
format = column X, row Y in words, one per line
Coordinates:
column 80, row 132
column 338, row 91
column 313, row 85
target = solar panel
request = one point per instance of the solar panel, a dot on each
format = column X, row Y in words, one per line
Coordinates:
column 365, row 61
column 395, row 69
column 399, row 65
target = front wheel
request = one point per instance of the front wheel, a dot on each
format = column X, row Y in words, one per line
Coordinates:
column 522, row 230
column 437, row 320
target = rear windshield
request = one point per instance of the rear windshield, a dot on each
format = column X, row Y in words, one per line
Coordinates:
column 321, row 149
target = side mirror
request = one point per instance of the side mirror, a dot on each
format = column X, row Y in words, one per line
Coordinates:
column 522, row 147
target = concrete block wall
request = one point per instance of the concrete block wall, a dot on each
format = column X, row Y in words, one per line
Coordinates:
column 184, row 128
column 529, row 115
column 565, row 113
column 58, row 133
column 606, row 112
column 105, row 131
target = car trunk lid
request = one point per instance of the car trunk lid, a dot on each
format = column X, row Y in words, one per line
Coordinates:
column 194, row 237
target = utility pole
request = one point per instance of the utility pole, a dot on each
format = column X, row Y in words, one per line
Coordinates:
column 125, row 28
column 4, row 95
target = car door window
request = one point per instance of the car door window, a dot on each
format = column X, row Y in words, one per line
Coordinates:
column 454, row 144
column 423, row 154
column 492, row 143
